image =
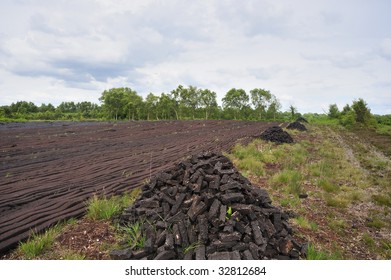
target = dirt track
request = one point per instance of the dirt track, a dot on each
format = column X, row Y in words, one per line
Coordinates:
column 49, row 170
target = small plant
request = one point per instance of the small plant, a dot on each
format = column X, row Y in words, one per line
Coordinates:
column 335, row 201
column 191, row 247
column 327, row 186
column 106, row 208
column 376, row 223
column 315, row 254
column 368, row 240
column 134, row 235
column 37, row 243
column 304, row 223
column 229, row 213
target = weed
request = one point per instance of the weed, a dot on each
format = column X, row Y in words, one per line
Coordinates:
column 191, row 247
column 251, row 164
column 38, row 243
column 336, row 201
column 376, row 223
column 304, row 223
column 134, row 235
column 368, row 240
column 383, row 200
column 69, row 255
column 327, row 186
column 290, row 180
column 337, row 225
column 316, row 254
column 106, row 208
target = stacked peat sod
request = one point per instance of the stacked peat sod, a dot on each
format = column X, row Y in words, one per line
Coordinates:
column 276, row 134
column 203, row 208
column 297, row 125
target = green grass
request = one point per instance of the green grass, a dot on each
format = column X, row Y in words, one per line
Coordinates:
column 37, row 244
column 328, row 186
column 368, row 240
column 304, row 223
column 318, row 254
column 383, row 200
column 336, row 201
column 134, row 236
column 376, row 223
column 106, row 208
column 288, row 180
column 191, row 247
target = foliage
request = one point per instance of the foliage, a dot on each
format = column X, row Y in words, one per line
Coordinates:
column 37, row 243
column 106, row 208
column 134, row 235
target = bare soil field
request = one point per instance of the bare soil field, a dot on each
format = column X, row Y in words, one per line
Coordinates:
column 49, row 170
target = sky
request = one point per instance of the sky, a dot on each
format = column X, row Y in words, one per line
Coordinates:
column 309, row 54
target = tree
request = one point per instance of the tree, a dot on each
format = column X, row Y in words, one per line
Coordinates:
column 151, row 103
column 207, row 101
column 190, row 99
column 363, row 113
column 333, row 111
column 260, row 98
column 236, row 100
column 115, row 101
column 293, row 111
column 274, row 107
column 166, row 106
column 133, row 104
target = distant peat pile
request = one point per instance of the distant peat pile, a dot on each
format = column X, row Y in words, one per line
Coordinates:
column 277, row 135
column 204, row 209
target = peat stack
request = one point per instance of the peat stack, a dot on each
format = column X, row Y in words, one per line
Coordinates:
column 203, row 208
column 297, row 125
column 276, row 134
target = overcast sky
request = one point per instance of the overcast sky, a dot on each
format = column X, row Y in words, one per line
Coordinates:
column 308, row 53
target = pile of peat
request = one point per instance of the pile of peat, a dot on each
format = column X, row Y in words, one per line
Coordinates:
column 203, row 208
column 276, row 134
column 297, row 125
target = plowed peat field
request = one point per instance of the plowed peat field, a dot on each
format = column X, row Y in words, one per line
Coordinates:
column 49, row 170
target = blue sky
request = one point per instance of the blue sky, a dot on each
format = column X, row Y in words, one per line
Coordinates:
column 308, row 53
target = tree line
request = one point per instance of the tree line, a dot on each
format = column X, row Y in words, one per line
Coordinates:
column 182, row 103
column 356, row 114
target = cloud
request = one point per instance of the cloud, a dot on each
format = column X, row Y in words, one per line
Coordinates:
column 305, row 52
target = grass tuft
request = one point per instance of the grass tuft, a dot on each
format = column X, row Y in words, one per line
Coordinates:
column 106, row 208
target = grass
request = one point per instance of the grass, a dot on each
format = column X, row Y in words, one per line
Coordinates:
column 288, row 180
column 106, row 208
column 304, row 223
column 317, row 254
column 37, row 243
column 134, row 236
column 192, row 247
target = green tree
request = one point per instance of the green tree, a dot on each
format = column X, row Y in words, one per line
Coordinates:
column 274, row 107
column 260, row 98
column 46, row 108
column 293, row 111
column 207, row 100
column 151, row 103
column 167, row 107
column 133, row 104
column 235, row 100
column 363, row 113
column 333, row 111
column 114, row 101
column 190, row 99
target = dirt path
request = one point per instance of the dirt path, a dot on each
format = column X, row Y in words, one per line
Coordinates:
column 49, row 170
